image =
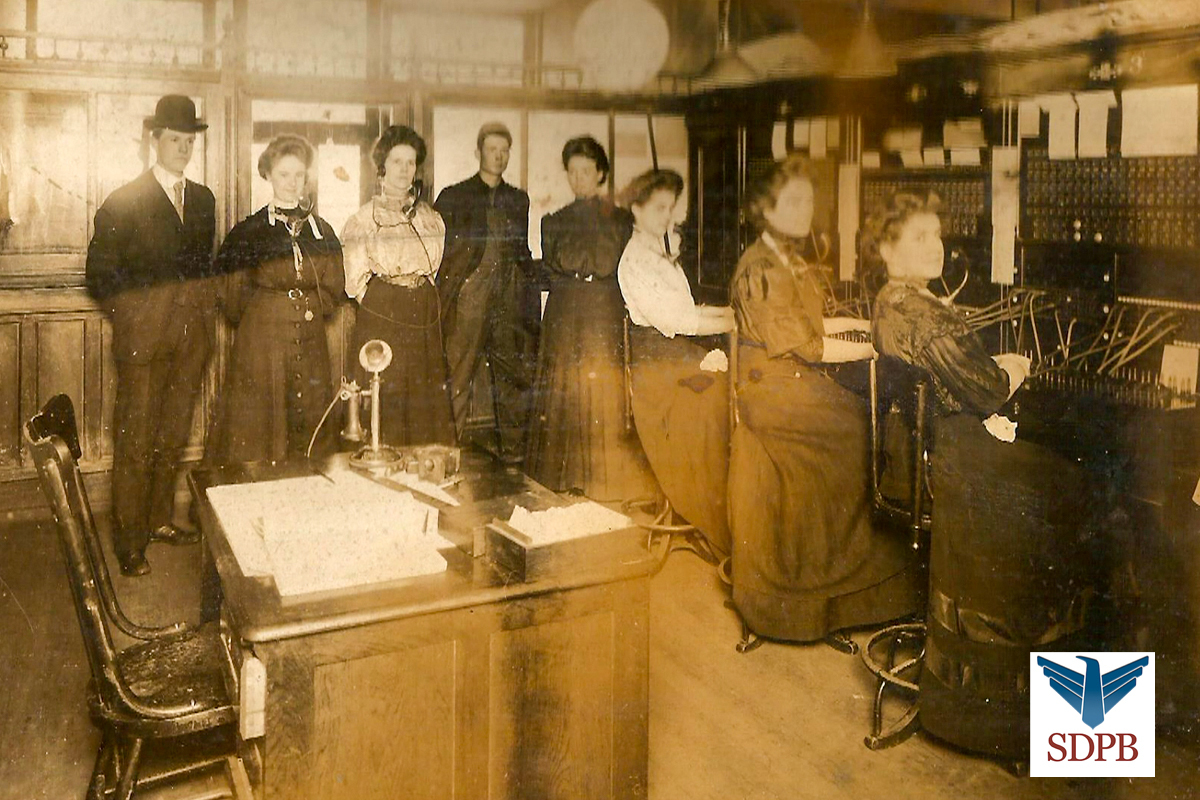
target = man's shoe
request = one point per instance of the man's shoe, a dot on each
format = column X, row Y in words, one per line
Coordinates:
column 133, row 564
column 171, row 534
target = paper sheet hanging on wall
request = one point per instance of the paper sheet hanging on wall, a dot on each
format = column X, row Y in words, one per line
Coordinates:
column 934, row 157
column 800, row 131
column 1160, row 121
column 1062, row 110
column 902, row 139
column 1180, row 366
column 871, row 159
column 817, row 141
column 779, row 140
column 1029, row 119
column 911, row 159
column 847, row 224
column 966, row 157
column 1093, row 122
column 963, row 133
column 1006, row 194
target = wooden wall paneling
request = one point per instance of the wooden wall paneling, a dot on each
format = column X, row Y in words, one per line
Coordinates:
column 91, row 414
column 108, row 388
column 27, row 372
column 10, row 392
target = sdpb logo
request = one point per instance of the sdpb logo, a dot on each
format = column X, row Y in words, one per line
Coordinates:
column 1091, row 714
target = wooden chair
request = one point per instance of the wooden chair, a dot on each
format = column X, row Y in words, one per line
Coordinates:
column 171, row 686
column 896, row 653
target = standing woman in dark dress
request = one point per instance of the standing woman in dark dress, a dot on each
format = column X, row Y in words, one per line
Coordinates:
column 577, row 438
column 1011, row 567
column 806, row 560
column 394, row 247
column 283, row 278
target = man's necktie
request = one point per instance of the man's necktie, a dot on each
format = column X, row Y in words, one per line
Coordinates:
column 179, row 200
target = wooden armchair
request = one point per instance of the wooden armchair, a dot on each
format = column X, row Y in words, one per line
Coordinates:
column 174, row 684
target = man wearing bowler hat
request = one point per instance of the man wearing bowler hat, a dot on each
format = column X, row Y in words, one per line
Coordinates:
column 150, row 265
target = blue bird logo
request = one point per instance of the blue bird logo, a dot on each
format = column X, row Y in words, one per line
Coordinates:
column 1091, row 694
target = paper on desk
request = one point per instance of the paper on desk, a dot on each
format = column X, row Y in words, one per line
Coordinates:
column 1159, row 121
column 297, row 529
column 410, row 481
column 317, row 550
column 567, row 522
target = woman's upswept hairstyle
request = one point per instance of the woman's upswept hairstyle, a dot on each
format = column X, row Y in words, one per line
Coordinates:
column 764, row 193
column 395, row 136
column 640, row 189
column 587, row 147
column 886, row 224
column 286, row 144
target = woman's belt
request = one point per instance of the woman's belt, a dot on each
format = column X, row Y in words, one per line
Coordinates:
column 292, row 293
column 409, row 280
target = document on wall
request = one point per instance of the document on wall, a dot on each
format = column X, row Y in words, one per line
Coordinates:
column 1062, row 110
column 1093, row 122
column 1006, row 194
column 848, row 214
column 1159, row 121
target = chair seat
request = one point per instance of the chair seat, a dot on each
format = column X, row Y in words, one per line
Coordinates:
column 170, row 672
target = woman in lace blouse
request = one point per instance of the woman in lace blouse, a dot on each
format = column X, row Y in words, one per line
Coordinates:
column 392, row 250
column 681, row 411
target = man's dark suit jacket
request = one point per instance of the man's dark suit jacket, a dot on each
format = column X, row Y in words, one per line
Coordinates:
column 463, row 207
column 143, row 262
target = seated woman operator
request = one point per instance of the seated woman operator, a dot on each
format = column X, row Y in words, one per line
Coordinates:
column 1009, row 567
column 807, row 561
column 681, row 411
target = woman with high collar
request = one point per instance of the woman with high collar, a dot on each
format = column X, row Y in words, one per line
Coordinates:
column 807, row 561
column 680, row 409
column 283, row 279
column 393, row 248
column 577, row 437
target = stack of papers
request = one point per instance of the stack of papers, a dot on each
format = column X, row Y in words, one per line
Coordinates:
column 317, row 534
column 568, row 522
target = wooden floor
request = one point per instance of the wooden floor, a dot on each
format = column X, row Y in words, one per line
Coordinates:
column 780, row 722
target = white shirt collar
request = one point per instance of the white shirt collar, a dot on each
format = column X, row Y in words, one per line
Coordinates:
column 312, row 221
column 167, row 181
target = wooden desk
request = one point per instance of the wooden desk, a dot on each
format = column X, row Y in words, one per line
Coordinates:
column 463, row 684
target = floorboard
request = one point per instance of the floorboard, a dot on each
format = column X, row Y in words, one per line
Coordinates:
column 783, row 721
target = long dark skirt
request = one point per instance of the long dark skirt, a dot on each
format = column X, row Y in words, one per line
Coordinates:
column 577, row 436
column 277, row 387
column 682, row 417
column 806, row 558
column 415, row 405
column 1012, row 570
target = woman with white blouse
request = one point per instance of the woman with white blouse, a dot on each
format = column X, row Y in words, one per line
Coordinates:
column 680, row 410
column 392, row 248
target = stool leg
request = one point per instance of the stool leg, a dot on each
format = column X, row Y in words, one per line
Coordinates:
column 129, row 778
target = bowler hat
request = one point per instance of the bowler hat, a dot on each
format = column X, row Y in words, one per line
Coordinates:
column 177, row 112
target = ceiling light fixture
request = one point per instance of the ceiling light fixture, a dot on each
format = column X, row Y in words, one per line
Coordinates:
column 727, row 67
column 867, row 56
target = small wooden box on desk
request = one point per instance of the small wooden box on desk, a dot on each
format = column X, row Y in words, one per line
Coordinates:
column 527, row 560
